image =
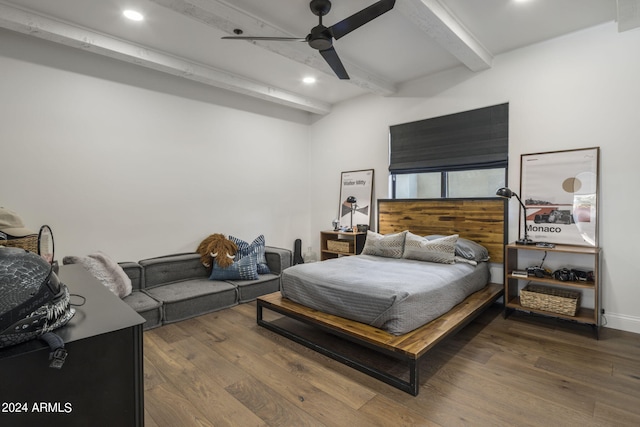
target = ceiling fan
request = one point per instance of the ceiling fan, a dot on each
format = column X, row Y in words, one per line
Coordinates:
column 321, row 37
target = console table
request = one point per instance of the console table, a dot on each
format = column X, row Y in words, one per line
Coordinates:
column 101, row 382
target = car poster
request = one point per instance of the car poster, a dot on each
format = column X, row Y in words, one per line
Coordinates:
column 560, row 193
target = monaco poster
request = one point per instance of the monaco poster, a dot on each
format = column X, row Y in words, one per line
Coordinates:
column 560, row 192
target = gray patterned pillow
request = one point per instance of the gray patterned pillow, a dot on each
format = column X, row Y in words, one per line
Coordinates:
column 440, row 250
column 466, row 248
column 389, row 245
column 244, row 269
column 256, row 247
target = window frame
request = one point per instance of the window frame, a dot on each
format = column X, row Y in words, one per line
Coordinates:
column 444, row 182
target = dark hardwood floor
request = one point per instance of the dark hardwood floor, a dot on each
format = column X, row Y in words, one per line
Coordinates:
column 221, row 369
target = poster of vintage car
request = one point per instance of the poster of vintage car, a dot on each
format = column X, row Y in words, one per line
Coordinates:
column 356, row 189
column 560, row 192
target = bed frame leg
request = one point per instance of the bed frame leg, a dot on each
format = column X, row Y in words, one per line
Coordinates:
column 414, row 377
column 259, row 313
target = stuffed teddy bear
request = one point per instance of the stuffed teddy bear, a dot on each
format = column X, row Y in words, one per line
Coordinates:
column 220, row 248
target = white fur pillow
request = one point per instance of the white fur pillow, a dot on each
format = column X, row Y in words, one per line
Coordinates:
column 440, row 250
column 107, row 271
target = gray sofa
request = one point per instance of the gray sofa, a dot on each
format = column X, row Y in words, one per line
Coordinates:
column 176, row 287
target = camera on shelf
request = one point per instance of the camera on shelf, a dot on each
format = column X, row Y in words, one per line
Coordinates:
column 564, row 275
column 573, row 275
column 582, row 275
column 537, row 271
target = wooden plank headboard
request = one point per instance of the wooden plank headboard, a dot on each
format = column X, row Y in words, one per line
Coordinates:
column 480, row 220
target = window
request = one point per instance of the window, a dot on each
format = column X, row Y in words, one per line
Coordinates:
column 457, row 184
column 456, row 156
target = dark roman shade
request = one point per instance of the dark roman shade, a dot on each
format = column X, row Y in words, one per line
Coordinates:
column 476, row 139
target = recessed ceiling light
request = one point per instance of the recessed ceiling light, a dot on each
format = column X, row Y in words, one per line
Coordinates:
column 133, row 15
column 309, row 80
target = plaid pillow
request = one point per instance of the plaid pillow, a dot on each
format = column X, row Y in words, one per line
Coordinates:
column 244, row 269
column 257, row 247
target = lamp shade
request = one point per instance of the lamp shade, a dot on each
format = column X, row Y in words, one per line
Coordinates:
column 504, row 192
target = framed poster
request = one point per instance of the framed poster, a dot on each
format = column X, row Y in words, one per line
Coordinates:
column 356, row 189
column 559, row 190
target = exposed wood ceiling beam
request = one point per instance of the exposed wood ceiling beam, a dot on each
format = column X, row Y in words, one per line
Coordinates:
column 429, row 15
column 227, row 18
column 53, row 30
column 440, row 25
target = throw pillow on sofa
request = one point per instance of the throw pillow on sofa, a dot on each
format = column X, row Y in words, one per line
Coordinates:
column 244, row 269
column 257, row 247
column 107, row 271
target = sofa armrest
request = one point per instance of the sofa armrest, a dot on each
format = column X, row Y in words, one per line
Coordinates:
column 135, row 273
column 278, row 258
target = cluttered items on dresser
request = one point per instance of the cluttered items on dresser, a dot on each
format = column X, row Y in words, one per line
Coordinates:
column 14, row 234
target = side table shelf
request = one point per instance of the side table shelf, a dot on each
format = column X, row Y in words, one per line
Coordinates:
column 589, row 259
column 338, row 243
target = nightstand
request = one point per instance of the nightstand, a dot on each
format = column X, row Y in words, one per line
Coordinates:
column 338, row 243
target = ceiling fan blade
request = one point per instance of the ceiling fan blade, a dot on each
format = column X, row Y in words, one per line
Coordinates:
column 331, row 56
column 358, row 19
column 281, row 39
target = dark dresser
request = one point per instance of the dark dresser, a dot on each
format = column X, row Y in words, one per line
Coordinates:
column 101, row 382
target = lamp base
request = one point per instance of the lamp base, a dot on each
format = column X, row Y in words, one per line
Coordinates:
column 525, row 241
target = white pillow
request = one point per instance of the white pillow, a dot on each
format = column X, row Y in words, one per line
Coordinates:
column 442, row 250
column 389, row 245
column 107, row 271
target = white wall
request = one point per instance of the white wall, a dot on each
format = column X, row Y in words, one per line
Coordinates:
column 577, row 91
column 137, row 163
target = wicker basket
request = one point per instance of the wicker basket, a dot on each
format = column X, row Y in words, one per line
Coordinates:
column 29, row 243
column 550, row 299
column 343, row 246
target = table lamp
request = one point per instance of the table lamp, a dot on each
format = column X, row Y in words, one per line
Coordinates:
column 352, row 200
column 507, row 194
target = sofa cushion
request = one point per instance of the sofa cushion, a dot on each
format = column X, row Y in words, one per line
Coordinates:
column 244, row 269
column 135, row 273
column 256, row 247
column 146, row 307
column 172, row 268
column 278, row 259
column 248, row 290
column 190, row 298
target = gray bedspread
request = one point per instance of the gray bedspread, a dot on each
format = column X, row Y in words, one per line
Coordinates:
column 396, row 295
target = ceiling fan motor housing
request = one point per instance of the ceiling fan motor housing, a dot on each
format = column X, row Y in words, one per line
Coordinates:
column 320, row 38
column 320, row 7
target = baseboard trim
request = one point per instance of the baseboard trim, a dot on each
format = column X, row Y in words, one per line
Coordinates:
column 621, row 322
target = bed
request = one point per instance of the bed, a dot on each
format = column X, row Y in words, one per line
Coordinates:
column 404, row 332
